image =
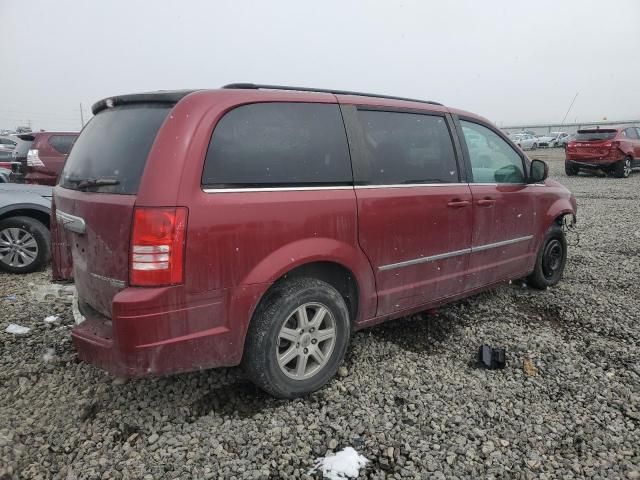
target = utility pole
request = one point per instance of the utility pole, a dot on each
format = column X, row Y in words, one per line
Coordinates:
column 81, row 116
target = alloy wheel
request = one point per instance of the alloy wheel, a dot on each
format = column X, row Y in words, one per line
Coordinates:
column 306, row 341
column 18, row 248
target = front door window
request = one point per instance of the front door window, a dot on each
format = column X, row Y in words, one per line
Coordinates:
column 492, row 159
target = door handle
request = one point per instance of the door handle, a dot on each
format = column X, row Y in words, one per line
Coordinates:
column 458, row 203
column 486, row 202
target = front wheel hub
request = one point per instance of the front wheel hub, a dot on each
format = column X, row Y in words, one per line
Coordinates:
column 552, row 258
column 306, row 341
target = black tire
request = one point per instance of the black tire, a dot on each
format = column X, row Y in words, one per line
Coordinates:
column 622, row 169
column 550, row 261
column 40, row 234
column 263, row 342
column 534, row 146
column 570, row 169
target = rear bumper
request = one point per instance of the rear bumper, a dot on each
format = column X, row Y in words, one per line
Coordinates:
column 208, row 331
column 595, row 164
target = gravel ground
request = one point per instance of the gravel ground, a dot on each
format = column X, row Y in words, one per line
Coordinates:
column 409, row 397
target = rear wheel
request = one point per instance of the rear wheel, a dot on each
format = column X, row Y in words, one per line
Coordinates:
column 24, row 245
column 297, row 338
column 623, row 168
column 570, row 169
column 534, row 146
column 550, row 261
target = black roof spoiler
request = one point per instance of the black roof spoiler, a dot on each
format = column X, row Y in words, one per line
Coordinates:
column 168, row 97
column 254, row 86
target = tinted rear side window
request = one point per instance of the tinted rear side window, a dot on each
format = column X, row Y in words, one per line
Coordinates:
column 114, row 146
column 404, row 148
column 62, row 143
column 278, row 145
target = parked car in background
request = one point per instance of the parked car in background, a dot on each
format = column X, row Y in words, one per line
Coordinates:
column 613, row 150
column 525, row 141
column 282, row 221
column 7, row 143
column 44, row 158
column 24, row 227
column 558, row 136
column 550, row 139
column 20, row 152
column 565, row 140
column 6, row 158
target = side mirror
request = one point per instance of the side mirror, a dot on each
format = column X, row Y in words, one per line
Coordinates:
column 538, row 172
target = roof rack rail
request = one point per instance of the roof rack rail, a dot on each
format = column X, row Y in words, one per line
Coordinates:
column 255, row 86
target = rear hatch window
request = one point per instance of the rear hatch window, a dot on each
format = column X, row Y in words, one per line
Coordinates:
column 595, row 135
column 110, row 154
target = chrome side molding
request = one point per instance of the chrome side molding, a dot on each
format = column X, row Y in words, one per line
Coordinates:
column 433, row 258
column 442, row 256
column 501, row 244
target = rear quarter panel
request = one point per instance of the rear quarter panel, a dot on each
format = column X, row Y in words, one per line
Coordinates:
column 244, row 239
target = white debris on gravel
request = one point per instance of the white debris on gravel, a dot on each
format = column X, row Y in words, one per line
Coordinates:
column 344, row 464
column 49, row 355
column 51, row 319
column 17, row 329
column 53, row 291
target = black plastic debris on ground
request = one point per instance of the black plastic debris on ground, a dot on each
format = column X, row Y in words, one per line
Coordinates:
column 492, row 358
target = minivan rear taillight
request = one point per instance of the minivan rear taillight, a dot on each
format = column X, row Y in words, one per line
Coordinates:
column 157, row 246
column 33, row 159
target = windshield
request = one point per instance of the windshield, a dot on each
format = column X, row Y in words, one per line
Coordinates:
column 111, row 152
column 595, row 135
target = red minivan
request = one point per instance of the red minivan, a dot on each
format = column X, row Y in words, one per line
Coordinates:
column 40, row 158
column 613, row 150
column 262, row 225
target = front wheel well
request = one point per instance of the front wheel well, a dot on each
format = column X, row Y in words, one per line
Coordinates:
column 336, row 275
column 566, row 218
column 39, row 215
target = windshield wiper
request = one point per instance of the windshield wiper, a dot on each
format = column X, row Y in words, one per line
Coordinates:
column 96, row 182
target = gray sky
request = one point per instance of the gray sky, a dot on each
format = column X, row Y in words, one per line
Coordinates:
column 510, row 61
